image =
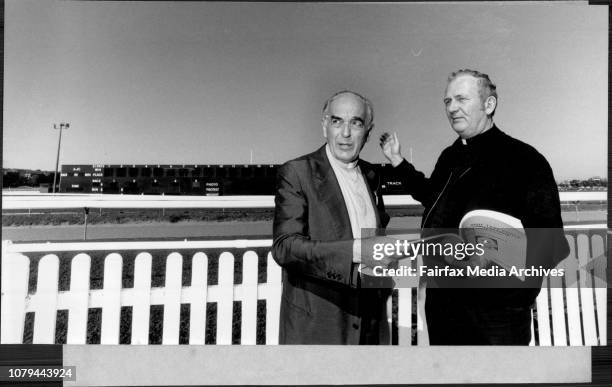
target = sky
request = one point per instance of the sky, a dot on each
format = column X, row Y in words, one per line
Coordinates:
column 211, row 83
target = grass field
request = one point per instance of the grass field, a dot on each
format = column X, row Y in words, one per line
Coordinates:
column 124, row 216
column 127, row 216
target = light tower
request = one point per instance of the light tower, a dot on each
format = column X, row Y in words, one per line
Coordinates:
column 60, row 126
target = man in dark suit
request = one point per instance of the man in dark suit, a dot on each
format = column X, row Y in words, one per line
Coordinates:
column 484, row 168
column 325, row 202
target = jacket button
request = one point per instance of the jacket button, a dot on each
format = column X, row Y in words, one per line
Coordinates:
column 356, row 326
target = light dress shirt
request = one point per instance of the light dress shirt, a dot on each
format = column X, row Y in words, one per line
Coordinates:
column 357, row 199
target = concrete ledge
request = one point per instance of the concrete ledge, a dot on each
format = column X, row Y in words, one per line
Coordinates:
column 98, row 365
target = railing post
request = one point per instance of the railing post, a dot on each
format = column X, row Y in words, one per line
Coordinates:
column 577, row 216
column 85, row 229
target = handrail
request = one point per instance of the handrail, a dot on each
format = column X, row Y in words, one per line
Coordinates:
column 10, row 247
column 65, row 201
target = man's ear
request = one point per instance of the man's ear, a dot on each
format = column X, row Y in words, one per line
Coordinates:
column 324, row 128
column 368, row 134
column 490, row 104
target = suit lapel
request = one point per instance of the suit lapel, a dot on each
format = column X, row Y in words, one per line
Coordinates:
column 330, row 195
column 371, row 180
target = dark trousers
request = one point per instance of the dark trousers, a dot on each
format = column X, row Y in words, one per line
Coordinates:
column 452, row 322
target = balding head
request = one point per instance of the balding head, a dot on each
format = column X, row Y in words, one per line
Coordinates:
column 364, row 100
column 347, row 122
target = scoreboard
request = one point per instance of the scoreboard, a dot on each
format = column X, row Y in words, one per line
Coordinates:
column 209, row 180
column 193, row 179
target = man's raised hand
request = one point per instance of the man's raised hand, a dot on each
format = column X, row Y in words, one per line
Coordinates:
column 391, row 148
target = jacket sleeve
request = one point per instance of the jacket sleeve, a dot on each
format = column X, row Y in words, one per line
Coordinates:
column 292, row 247
column 417, row 185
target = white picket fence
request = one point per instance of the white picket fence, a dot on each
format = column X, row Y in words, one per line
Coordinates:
column 47, row 300
column 570, row 312
column 577, row 301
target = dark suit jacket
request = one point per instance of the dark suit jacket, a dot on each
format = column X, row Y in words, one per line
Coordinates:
column 322, row 300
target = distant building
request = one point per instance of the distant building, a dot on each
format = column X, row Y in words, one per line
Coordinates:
column 14, row 178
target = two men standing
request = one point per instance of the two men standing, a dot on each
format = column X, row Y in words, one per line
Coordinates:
column 326, row 199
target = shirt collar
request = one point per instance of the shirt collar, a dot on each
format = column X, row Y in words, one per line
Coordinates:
column 334, row 161
column 483, row 139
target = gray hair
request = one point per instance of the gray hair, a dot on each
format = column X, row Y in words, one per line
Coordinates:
column 486, row 88
column 366, row 102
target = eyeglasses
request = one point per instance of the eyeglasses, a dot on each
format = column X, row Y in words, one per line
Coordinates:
column 354, row 123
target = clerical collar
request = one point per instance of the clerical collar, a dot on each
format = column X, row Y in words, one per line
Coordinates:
column 337, row 162
column 482, row 138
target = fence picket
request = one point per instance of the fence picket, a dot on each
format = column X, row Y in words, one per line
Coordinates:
column 79, row 291
column 557, row 306
column 422, row 333
column 199, row 283
column 274, row 275
column 570, row 264
column 586, row 292
column 248, row 333
column 111, row 304
column 46, row 300
column 543, row 315
column 225, row 302
column 601, row 294
column 172, row 299
column 142, row 300
column 385, row 333
column 15, row 279
column 532, row 341
column 404, row 316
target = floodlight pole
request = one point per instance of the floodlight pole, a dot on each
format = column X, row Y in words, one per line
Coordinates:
column 61, row 126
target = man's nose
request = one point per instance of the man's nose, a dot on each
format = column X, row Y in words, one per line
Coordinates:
column 451, row 107
column 346, row 129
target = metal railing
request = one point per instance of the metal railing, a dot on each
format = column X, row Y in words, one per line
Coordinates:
column 65, row 201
